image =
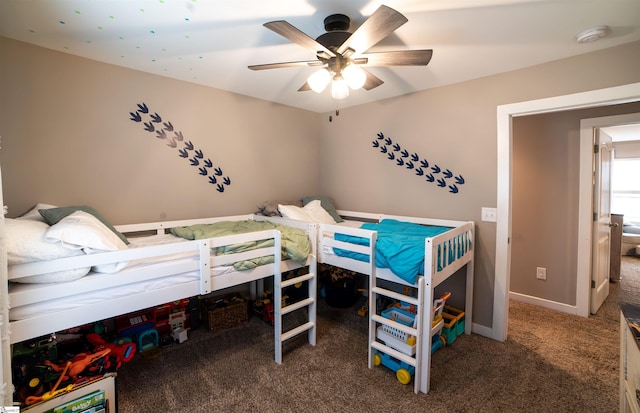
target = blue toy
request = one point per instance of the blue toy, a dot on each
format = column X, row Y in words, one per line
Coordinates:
column 148, row 339
column 403, row 342
column 404, row 371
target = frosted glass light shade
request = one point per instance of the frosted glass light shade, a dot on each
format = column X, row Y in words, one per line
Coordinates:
column 354, row 76
column 319, row 80
column 339, row 88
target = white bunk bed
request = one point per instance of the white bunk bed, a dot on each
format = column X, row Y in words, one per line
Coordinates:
column 158, row 274
column 445, row 254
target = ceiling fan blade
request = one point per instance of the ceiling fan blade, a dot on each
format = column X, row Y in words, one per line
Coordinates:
column 286, row 64
column 379, row 25
column 372, row 81
column 398, row 58
column 292, row 33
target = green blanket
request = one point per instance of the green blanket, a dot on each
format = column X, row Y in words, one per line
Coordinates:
column 295, row 243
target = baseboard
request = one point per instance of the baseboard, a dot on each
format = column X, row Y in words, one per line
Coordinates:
column 541, row 302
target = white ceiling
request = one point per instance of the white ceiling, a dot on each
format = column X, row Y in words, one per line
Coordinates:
column 624, row 133
column 212, row 42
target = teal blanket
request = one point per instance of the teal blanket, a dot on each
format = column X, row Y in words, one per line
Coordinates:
column 294, row 242
column 399, row 246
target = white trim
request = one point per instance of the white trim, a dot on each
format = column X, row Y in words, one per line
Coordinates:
column 601, row 97
column 541, row 302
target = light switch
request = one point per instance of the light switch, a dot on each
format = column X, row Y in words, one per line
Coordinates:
column 489, row 214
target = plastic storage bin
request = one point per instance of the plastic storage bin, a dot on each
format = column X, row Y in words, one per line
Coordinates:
column 453, row 323
column 394, row 338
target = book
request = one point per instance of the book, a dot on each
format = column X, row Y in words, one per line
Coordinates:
column 89, row 403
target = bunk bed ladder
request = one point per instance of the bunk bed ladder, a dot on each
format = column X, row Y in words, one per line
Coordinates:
column 308, row 304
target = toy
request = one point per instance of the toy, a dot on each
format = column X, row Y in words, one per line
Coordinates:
column 148, row 339
column 404, row 371
column 362, row 311
column 169, row 316
column 438, row 305
column 54, row 390
column 264, row 306
column 177, row 320
column 45, row 348
column 27, row 363
column 394, row 337
column 179, row 335
column 79, row 363
column 403, row 342
column 120, row 353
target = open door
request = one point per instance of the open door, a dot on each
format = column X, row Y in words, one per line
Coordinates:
column 602, row 219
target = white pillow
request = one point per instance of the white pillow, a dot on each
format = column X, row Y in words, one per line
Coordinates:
column 26, row 243
column 294, row 212
column 81, row 230
column 317, row 213
column 33, row 213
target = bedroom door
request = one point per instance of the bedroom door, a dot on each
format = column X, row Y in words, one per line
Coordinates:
column 601, row 219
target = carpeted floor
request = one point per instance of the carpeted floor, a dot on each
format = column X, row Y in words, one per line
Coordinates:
column 551, row 362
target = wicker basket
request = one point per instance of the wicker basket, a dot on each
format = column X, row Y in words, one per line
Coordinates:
column 225, row 311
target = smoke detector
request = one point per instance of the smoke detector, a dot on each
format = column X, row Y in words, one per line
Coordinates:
column 592, row 34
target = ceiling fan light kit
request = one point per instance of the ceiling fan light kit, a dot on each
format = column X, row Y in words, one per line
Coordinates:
column 342, row 54
column 339, row 88
column 319, row 80
column 354, row 76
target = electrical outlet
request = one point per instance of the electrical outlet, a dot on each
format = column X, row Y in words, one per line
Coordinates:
column 541, row 273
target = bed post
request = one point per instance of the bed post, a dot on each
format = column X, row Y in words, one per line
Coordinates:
column 468, row 303
column 6, row 388
column 205, row 271
column 277, row 296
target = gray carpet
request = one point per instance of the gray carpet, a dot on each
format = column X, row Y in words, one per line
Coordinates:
column 551, row 362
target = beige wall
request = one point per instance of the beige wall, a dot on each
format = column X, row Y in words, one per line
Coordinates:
column 454, row 126
column 67, row 138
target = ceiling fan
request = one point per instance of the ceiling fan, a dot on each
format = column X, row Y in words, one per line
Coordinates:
column 341, row 54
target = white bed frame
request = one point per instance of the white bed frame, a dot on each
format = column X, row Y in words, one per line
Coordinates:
column 16, row 331
column 460, row 237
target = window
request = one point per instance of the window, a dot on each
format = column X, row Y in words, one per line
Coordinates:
column 625, row 185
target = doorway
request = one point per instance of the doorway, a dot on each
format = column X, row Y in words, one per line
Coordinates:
column 602, row 97
column 587, row 128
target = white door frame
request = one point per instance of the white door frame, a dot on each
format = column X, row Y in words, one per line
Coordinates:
column 505, row 113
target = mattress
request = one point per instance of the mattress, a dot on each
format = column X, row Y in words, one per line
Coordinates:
column 21, row 312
